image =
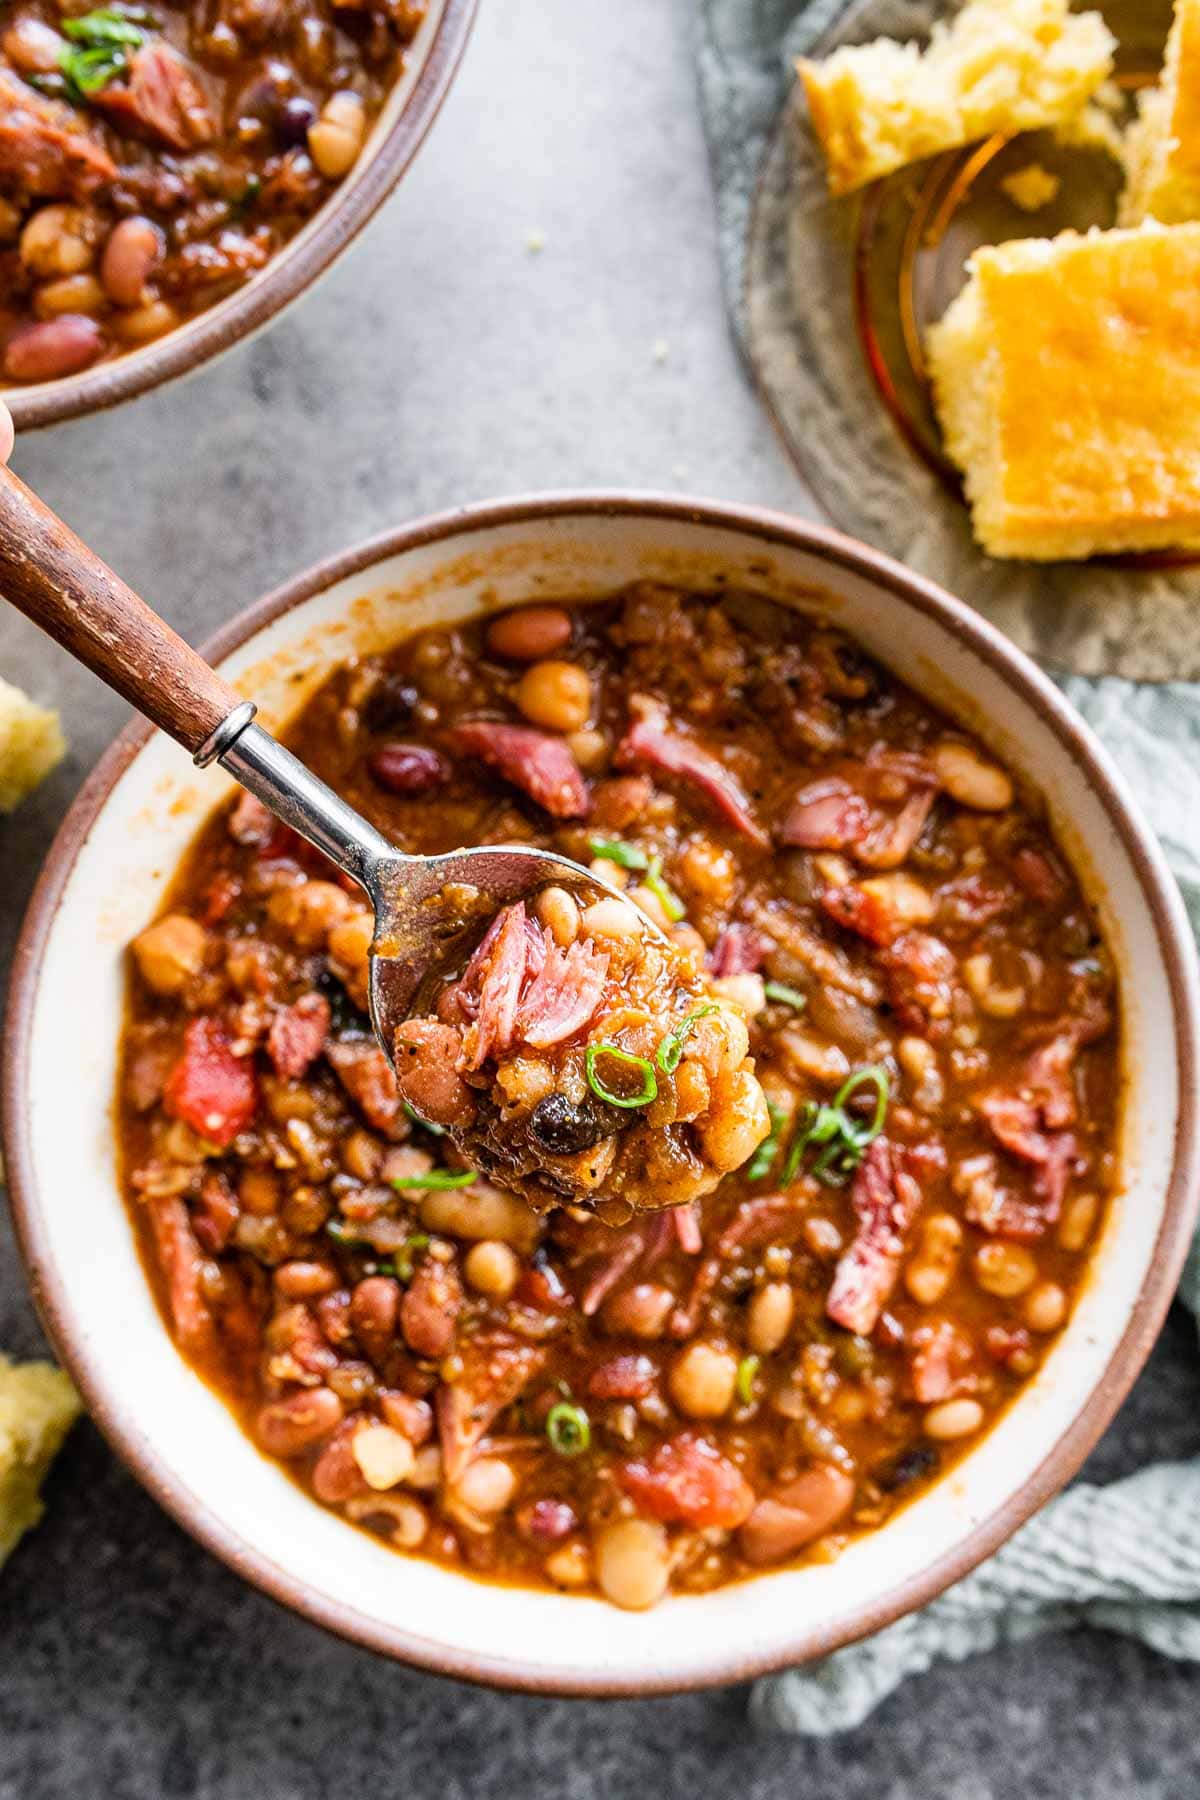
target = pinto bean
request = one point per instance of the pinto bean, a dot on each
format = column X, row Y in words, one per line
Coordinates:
column 413, row 1419
column 336, row 1476
column 52, row 348
column 430, row 1308
column 134, row 250
column 374, row 1311
column 290, row 1426
column 80, row 293
column 427, row 1072
column 783, row 1522
column 640, row 1311
column 304, row 1280
column 529, row 633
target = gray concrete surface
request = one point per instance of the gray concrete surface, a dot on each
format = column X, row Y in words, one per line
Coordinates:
column 444, row 361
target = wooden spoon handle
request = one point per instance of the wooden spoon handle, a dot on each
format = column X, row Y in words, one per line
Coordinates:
column 55, row 580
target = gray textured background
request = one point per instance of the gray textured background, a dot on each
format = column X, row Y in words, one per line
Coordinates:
column 443, row 361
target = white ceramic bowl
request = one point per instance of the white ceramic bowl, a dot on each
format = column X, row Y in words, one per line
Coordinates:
column 106, row 877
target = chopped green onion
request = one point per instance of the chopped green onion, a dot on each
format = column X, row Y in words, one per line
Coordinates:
column 670, row 1051
column 568, row 1428
column 784, row 995
column 747, row 1369
column 99, row 50
column 626, row 856
column 425, row 1124
column 670, row 902
column 763, row 1159
column 419, row 1240
column 843, row 1139
column 437, row 1179
column 104, row 26
column 614, row 1052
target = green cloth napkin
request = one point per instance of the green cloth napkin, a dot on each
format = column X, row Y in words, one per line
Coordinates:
column 1126, row 1556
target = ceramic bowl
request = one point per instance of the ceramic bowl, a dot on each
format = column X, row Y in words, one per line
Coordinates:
column 397, row 135
column 106, row 877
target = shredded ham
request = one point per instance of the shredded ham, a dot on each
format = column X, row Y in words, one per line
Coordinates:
column 162, row 97
column 540, row 765
column 651, row 739
column 493, row 1374
column 826, row 815
column 44, row 150
column 885, row 1201
column 494, row 981
column 738, row 951
column 564, row 995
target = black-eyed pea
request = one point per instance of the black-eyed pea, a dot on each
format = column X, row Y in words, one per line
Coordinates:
column 131, row 254
column 953, row 1419
column 409, row 1522
column 931, row 1268
column 991, row 997
column 336, row 137
column 702, row 1380
column 1005, row 1270
column 60, row 240
column 69, row 294
column 1045, row 1307
column 170, row 952
column 632, row 1563
column 556, row 695
column 142, row 324
column 970, row 778
column 769, row 1317
column 1078, row 1221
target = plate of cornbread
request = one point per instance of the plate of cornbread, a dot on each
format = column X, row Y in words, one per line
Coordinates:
column 972, row 303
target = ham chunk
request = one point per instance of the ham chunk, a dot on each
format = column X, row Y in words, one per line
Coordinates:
column 162, row 98
column 494, row 1373
column 652, row 739
column 181, row 1262
column 564, row 996
column 538, row 763
column 297, row 1036
column 885, row 1201
column 826, row 815
column 688, row 1480
column 45, row 149
column 366, row 1075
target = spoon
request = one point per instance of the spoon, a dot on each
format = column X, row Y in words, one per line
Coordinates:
column 52, row 577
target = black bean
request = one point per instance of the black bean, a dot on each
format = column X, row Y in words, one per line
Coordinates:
column 911, row 1465
column 293, row 120
column 563, row 1126
column 390, row 704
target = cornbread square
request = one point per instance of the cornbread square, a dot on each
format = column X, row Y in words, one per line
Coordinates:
column 31, row 744
column 999, row 65
column 1066, row 375
column 38, row 1406
column 1162, row 146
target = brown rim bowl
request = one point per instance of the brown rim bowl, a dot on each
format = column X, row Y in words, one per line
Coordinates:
column 411, row 107
column 105, row 877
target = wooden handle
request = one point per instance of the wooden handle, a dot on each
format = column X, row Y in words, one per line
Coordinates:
column 55, row 580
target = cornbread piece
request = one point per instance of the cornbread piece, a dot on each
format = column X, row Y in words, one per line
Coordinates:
column 999, row 65
column 1162, row 147
column 1032, row 187
column 31, row 744
column 38, row 1406
column 1067, row 379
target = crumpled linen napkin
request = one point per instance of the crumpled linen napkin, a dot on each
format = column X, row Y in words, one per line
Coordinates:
column 1126, row 1556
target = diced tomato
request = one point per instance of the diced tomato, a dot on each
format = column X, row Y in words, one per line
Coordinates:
column 688, row 1479
column 211, row 1089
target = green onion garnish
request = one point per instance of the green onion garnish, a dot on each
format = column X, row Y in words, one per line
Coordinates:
column 784, row 995
column 614, row 1052
column 843, row 1139
column 762, row 1161
column 99, row 51
column 568, row 1428
column 626, row 856
column 747, row 1369
column 670, row 1051
column 419, row 1240
column 425, row 1124
column 670, row 902
column 437, row 1179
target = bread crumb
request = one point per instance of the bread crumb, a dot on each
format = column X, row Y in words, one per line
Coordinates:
column 38, row 1406
column 661, row 350
column 535, row 242
column 31, row 744
column 1032, row 187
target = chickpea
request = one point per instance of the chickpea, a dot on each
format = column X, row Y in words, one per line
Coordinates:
column 349, row 949
column 384, row 1457
column 707, row 870
column 1046, row 1307
column 557, row 695
column 144, row 323
column 632, row 1562
column 308, row 913
column 60, row 240
column 931, row 1270
column 69, row 294
column 1078, row 1221
column 558, row 912
column 738, row 1121
column 1005, row 1269
column 336, row 137
column 702, row 1380
column 529, row 633
column 769, row 1317
column 486, row 1485
column 953, row 1419
column 170, row 952
column 589, row 748
column 492, row 1269
column 570, row 1566
column 971, row 780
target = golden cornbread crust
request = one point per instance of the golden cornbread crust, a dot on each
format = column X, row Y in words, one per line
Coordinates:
column 31, row 744
column 999, row 65
column 1162, row 147
column 38, row 1406
column 1067, row 379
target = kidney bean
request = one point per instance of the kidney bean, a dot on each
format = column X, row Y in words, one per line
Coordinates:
column 52, row 348
column 304, row 1280
column 132, row 253
column 407, row 769
column 333, row 1311
column 374, row 1309
column 412, row 1418
column 529, row 633
column 794, row 1515
column 288, row 1427
column 336, row 1477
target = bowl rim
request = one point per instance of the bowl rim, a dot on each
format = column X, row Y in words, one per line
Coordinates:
column 1181, row 1200
column 288, row 274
